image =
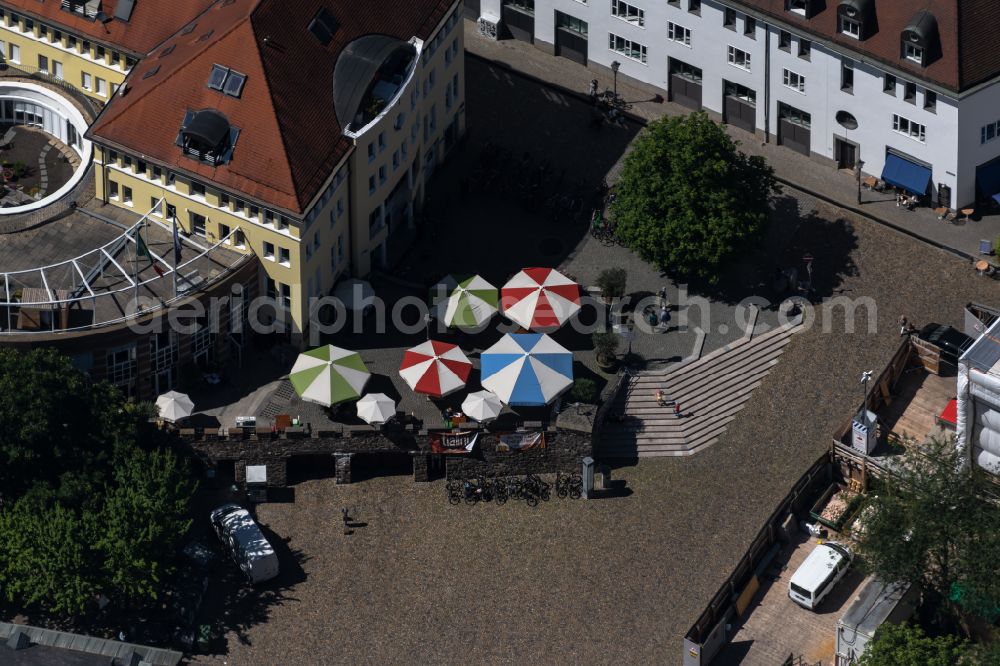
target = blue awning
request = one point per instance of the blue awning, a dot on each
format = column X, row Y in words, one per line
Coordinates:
column 905, row 174
column 988, row 178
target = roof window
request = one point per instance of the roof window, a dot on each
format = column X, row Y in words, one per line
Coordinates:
column 800, row 7
column 123, row 10
column 88, row 8
column 227, row 81
column 323, row 26
column 207, row 136
column 920, row 41
column 856, row 18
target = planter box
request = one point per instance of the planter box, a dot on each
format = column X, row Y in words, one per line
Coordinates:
column 827, row 510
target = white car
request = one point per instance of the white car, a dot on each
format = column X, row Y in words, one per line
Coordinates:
column 819, row 573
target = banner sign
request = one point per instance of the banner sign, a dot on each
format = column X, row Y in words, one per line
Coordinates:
column 454, row 442
column 521, row 441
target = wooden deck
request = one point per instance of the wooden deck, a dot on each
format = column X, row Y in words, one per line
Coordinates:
column 775, row 627
column 917, row 400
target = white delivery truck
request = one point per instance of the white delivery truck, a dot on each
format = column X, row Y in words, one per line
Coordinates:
column 241, row 535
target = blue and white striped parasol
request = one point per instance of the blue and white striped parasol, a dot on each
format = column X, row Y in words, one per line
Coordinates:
column 527, row 369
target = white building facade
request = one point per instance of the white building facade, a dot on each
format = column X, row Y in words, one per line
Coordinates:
column 817, row 84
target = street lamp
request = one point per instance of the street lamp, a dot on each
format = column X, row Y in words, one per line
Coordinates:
column 861, row 164
column 615, row 65
column 866, row 377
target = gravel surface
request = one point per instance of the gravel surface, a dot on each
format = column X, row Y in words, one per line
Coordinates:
column 605, row 581
column 616, row 580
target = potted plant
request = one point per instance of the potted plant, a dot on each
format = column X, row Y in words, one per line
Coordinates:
column 605, row 348
column 612, row 283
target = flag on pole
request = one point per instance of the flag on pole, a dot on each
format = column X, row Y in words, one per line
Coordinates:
column 142, row 250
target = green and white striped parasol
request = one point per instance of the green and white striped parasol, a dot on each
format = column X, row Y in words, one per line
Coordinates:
column 465, row 301
column 329, row 375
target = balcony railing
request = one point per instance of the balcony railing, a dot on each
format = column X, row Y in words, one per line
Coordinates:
column 16, row 71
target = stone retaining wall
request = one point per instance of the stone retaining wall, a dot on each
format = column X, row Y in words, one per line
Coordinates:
column 564, row 450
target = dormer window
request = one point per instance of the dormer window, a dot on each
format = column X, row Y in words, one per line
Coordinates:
column 88, row 8
column 856, row 18
column 920, row 39
column 800, row 7
column 207, row 136
column 850, row 27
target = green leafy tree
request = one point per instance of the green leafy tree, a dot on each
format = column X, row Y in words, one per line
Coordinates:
column 907, row 645
column 54, row 422
column 932, row 525
column 143, row 518
column 46, row 559
column 91, row 497
column 688, row 198
column 983, row 654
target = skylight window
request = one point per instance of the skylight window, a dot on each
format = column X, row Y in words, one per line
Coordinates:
column 218, row 77
column 151, row 72
column 323, row 26
column 226, row 80
column 234, row 84
column 167, row 51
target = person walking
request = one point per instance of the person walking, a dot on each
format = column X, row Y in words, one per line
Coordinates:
column 664, row 316
column 593, row 91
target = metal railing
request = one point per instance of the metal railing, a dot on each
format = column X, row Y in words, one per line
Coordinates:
column 18, row 71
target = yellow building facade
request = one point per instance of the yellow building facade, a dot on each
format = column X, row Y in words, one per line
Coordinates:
column 367, row 199
column 95, row 68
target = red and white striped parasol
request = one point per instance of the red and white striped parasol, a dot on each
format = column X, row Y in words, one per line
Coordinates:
column 435, row 368
column 540, row 299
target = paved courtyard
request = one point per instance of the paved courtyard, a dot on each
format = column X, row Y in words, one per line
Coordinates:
column 610, row 581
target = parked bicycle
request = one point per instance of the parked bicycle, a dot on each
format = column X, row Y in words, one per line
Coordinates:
column 569, row 486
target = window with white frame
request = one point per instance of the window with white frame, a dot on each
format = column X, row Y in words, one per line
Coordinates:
column 284, row 256
column 850, row 27
column 156, row 206
column 793, row 80
column 909, row 128
column 913, row 52
column 269, row 251
column 679, row 34
column 15, row 53
column 627, row 12
column 87, row 81
column 739, row 58
column 627, row 47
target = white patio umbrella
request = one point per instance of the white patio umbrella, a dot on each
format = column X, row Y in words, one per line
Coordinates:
column 376, row 408
column 482, row 406
column 355, row 294
column 174, row 406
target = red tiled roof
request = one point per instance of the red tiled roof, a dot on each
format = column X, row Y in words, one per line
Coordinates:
column 151, row 22
column 969, row 54
column 290, row 137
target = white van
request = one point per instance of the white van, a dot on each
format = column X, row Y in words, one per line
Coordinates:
column 819, row 573
column 242, row 536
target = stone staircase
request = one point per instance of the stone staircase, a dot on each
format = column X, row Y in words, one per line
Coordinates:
column 710, row 391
